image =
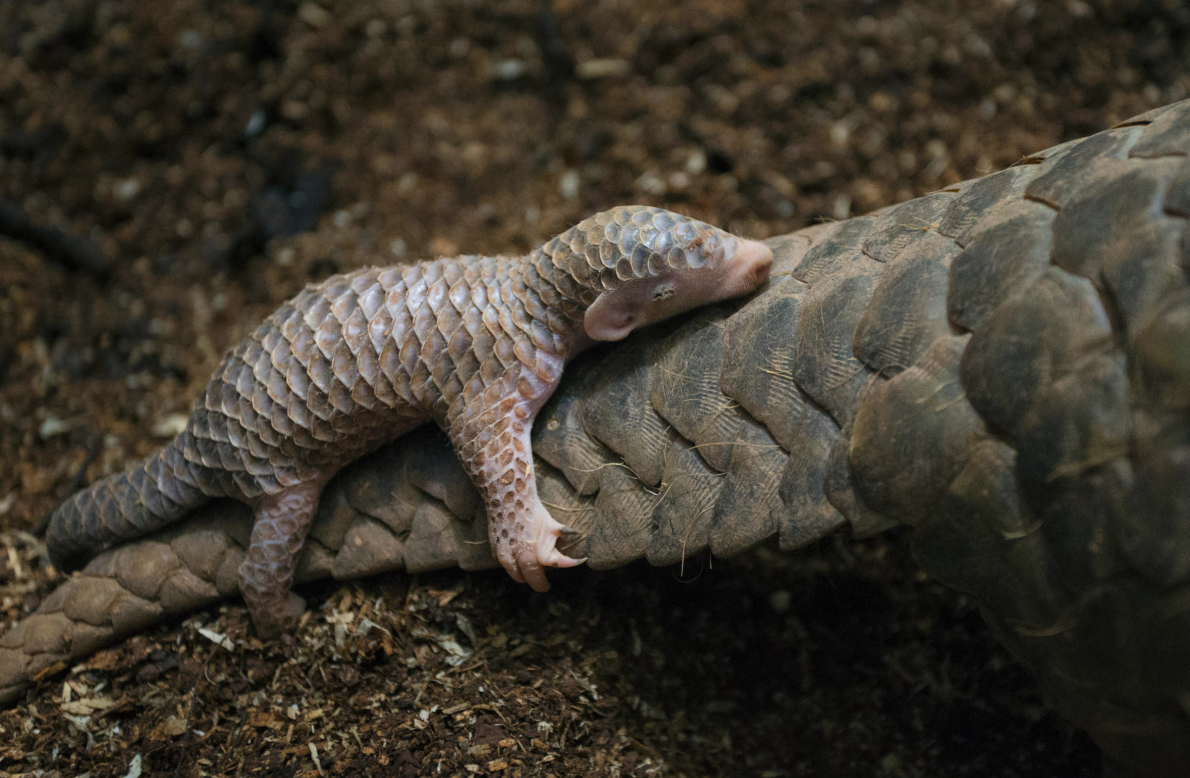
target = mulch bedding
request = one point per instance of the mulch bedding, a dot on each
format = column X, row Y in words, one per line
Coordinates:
column 220, row 155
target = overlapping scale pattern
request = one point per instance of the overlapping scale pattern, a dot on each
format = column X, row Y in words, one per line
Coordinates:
column 362, row 358
column 1002, row 365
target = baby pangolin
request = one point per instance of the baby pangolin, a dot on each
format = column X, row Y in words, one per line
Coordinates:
column 475, row 344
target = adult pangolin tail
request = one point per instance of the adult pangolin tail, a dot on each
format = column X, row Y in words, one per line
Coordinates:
column 144, row 498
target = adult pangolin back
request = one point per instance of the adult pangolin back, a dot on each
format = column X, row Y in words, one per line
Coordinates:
column 475, row 344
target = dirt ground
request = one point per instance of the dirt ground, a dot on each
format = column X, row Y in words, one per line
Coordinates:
column 175, row 170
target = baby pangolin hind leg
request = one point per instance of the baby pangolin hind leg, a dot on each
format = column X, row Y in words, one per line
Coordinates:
column 266, row 574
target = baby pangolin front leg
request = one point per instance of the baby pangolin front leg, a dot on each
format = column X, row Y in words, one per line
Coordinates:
column 475, row 344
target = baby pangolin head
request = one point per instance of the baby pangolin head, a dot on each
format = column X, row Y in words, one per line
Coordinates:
column 636, row 265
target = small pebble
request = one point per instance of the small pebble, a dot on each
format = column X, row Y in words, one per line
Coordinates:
column 171, row 425
column 650, row 183
column 256, row 123
column 127, row 189
column 510, row 70
column 314, row 15
column 602, row 68
column 52, row 427
column 569, row 184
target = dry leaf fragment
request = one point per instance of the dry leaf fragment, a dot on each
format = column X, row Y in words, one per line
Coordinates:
column 217, row 638
column 263, row 719
column 85, row 706
column 170, row 728
column 314, row 758
column 444, row 596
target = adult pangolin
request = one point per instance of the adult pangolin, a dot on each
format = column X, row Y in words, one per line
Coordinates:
column 475, row 344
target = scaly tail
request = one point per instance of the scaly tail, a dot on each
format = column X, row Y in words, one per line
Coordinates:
column 144, row 498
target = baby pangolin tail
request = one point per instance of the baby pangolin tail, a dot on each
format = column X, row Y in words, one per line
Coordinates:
column 145, row 497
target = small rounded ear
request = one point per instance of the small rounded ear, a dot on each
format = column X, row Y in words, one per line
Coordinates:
column 611, row 317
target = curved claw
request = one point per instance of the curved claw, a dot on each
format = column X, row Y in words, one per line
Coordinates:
column 547, row 548
column 526, row 554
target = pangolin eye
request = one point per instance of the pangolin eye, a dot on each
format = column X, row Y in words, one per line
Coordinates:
column 663, row 292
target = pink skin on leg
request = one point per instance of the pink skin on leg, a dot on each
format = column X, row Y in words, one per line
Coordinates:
column 523, row 534
column 282, row 521
column 492, row 441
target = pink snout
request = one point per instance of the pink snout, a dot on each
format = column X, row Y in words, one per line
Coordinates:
column 748, row 269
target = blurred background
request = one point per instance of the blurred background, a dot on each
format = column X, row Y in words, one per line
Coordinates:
column 170, row 172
